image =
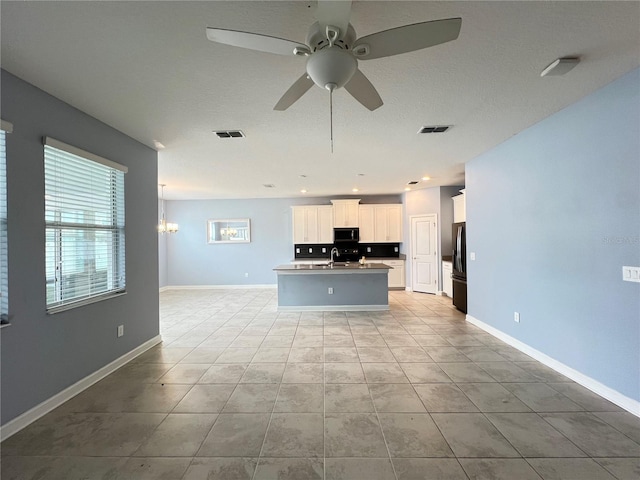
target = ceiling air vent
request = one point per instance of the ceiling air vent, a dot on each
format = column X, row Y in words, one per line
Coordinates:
column 229, row 133
column 412, row 182
column 268, row 185
column 435, row 129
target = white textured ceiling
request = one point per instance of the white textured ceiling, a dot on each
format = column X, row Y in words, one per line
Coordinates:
column 147, row 69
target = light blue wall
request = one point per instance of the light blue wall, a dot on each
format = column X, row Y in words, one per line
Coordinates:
column 553, row 214
column 43, row 354
column 191, row 261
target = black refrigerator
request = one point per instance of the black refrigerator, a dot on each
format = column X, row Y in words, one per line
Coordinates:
column 459, row 260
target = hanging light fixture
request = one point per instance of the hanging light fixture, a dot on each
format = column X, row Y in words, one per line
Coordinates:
column 164, row 226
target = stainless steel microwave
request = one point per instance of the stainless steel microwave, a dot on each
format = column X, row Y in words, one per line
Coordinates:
column 341, row 235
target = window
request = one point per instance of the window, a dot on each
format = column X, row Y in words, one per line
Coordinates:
column 84, row 217
column 5, row 127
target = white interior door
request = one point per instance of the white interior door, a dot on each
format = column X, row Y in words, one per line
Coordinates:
column 424, row 253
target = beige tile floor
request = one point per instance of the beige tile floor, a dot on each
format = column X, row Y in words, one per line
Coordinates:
column 240, row 391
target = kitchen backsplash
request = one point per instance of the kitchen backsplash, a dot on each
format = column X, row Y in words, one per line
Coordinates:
column 308, row 250
column 323, row 250
column 379, row 249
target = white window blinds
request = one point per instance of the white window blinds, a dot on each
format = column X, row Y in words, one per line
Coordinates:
column 85, row 225
column 4, row 257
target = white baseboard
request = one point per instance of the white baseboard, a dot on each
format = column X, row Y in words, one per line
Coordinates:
column 14, row 426
column 334, row 308
column 629, row 404
column 164, row 289
column 217, row 287
column 408, row 289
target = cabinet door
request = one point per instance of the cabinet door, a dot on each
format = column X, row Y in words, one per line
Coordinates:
column 367, row 222
column 394, row 223
column 345, row 213
column 325, row 224
column 381, row 224
column 299, row 221
column 396, row 275
column 339, row 215
column 459, row 209
column 352, row 214
column 311, row 224
column 447, row 283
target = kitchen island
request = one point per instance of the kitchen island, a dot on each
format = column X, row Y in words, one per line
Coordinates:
column 330, row 287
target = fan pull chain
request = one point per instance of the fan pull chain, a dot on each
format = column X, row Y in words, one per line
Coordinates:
column 331, row 116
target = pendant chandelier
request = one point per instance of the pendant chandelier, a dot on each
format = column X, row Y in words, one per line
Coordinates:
column 164, row 226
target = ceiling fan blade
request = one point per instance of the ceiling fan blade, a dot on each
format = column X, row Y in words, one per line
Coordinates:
column 296, row 91
column 363, row 90
column 407, row 38
column 253, row 41
column 335, row 13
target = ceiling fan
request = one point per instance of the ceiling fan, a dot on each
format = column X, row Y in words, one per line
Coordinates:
column 333, row 50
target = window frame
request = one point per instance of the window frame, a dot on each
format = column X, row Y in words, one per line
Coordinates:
column 5, row 128
column 58, row 156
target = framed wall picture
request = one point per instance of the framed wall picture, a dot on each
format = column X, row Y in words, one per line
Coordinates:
column 229, row 230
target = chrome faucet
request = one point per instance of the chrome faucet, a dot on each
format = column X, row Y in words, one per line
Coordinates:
column 334, row 250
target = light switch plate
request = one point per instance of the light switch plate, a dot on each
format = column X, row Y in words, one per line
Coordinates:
column 311, row 250
column 472, row 255
column 368, row 249
column 631, row 274
column 324, row 250
column 297, row 250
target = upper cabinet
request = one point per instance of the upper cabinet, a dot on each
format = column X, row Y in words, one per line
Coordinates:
column 377, row 223
column 345, row 213
column 459, row 208
column 325, row 224
column 312, row 224
column 381, row 223
column 367, row 224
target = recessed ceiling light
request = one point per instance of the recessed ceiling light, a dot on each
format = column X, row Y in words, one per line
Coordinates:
column 355, row 190
column 407, row 189
column 303, row 191
column 424, row 179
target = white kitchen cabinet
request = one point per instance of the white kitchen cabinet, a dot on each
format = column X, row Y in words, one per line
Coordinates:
column 381, row 223
column 447, row 283
column 396, row 274
column 367, row 224
column 312, row 224
column 345, row 213
column 325, row 224
column 459, row 208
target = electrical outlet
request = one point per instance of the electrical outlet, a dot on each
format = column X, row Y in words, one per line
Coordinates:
column 516, row 317
column 330, row 290
column 472, row 255
column 324, row 250
column 631, row 274
column 311, row 250
column 120, row 330
column 368, row 249
column 246, row 274
column 297, row 250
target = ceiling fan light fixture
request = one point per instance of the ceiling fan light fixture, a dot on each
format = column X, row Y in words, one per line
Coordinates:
column 331, row 66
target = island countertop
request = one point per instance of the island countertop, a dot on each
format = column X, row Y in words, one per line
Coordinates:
column 340, row 268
